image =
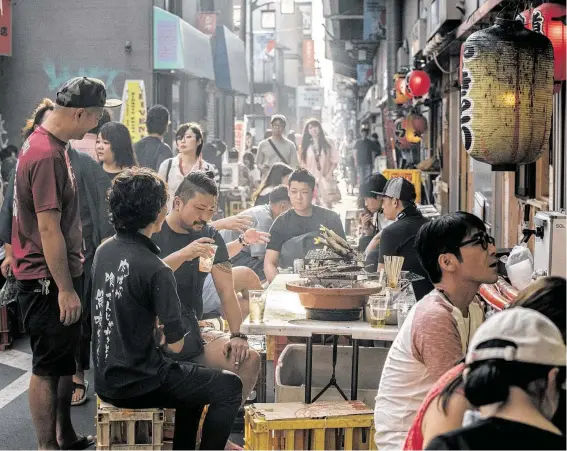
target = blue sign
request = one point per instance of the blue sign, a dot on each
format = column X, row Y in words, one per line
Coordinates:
column 374, row 24
column 231, row 73
column 363, row 74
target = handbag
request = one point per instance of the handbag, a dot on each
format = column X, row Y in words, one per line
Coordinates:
column 330, row 190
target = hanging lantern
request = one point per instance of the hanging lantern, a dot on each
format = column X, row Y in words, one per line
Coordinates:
column 549, row 20
column 400, row 130
column 418, row 123
column 399, row 97
column 418, row 83
column 506, row 95
column 526, row 18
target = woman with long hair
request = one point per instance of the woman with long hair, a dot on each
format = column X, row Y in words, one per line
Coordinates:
column 278, row 175
column 320, row 157
column 41, row 112
column 445, row 405
column 114, row 149
column 189, row 139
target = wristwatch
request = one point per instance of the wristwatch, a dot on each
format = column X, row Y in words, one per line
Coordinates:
column 238, row 335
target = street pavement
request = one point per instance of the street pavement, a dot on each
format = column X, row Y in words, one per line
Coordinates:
column 16, row 427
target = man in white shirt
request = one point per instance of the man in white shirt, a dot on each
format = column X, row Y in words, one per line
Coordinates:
column 459, row 256
column 277, row 148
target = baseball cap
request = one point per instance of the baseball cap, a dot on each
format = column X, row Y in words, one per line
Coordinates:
column 399, row 188
column 85, row 92
column 537, row 340
column 374, row 184
column 281, row 117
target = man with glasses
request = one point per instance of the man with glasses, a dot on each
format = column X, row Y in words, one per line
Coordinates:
column 398, row 204
column 459, row 256
column 277, row 148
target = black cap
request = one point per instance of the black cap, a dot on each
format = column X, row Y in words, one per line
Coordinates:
column 399, row 188
column 374, row 184
column 85, row 92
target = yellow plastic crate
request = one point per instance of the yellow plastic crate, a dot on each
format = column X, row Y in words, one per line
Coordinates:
column 412, row 175
column 314, row 428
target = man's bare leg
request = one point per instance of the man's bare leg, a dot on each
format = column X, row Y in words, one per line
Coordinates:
column 42, row 396
column 66, row 435
column 248, row 371
column 245, row 280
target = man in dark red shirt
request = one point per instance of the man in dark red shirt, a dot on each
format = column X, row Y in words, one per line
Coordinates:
column 46, row 243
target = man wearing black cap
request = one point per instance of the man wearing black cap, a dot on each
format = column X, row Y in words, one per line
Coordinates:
column 398, row 239
column 46, row 244
column 373, row 220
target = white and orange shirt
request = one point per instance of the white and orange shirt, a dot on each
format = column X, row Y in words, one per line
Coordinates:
column 432, row 338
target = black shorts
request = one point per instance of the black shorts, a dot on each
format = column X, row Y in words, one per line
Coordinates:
column 53, row 344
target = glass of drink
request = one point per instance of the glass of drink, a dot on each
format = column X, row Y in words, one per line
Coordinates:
column 379, row 307
column 257, row 301
column 206, row 264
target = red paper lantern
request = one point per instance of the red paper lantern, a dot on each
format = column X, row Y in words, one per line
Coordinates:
column 418, row 122
column 549, row 20
column 400, row 130
column 418, row 83
column 526, row 18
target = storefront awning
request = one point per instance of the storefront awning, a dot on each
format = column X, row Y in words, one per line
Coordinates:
column 179, row 46
column 229, row 62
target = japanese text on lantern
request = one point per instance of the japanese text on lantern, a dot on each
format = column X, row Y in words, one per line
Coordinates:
column 133, row 112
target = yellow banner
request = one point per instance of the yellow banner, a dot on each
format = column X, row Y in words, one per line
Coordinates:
column 133, row 112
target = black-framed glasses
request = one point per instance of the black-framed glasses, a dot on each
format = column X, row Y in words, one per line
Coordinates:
column 482, row 238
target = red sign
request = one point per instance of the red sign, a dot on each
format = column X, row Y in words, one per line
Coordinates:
column 207, row 23
column 308, row 58
column 5, row 28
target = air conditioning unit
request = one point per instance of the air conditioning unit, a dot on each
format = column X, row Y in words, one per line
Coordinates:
column 442, row 11
column 418, row 37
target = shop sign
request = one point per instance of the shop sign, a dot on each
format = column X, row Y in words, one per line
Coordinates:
column 133, row 111
column 5, row 28
column 374, row 25
column 310, row 96
column 239, row 135
column 307, row 16
column 207, row 23
column 308, row 58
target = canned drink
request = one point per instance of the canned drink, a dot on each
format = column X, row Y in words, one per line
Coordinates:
column 298, row 265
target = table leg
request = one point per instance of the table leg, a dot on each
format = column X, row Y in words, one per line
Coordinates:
column 354, row 371
column 308, row 369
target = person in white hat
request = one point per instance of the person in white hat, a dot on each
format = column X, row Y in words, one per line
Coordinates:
column 515, row 369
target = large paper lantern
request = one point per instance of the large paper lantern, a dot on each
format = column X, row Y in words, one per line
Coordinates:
column 399, row 97
column 418, row 123
column 526, row 18
column 400, row 130
column 549, row 19
column 418, row 83
column 506, row 95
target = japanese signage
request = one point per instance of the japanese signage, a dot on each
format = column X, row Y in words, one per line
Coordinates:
column 310, row 96
column 374, row 25
column 133, row 111
column 306, row 15
column 239, row 135
column 308, row 58
column 5, row 28
column 207, row 23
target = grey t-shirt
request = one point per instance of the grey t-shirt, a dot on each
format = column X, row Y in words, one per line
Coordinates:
column 267, row 156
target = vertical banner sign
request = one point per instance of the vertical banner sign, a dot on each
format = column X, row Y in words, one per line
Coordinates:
column 306, row 15
column 207, row 23
column 374, row 25
column 133, row 111
column 5, row 28
column 239, row 135
column 308, row 58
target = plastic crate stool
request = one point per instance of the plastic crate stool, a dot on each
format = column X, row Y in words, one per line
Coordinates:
column 323, row 425
column 128, row 429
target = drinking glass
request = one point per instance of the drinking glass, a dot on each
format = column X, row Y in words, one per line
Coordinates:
column 257, row 301
column 379, row 306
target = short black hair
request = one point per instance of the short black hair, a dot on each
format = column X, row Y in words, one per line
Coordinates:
column 302, row 175
column 196, row 129
column 7, row 152
column 157, row 119
column 375, row 135
column 248, row 156
column 279, row 194
column 443, row 235
column 196, row 182
column 105, row 118
column 135, row 199
column 118, row 136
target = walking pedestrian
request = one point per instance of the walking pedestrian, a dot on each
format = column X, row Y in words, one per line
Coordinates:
column 365, row 151
column 277, row 147
column 151, row 151
column 114, row 149
column 46, row 243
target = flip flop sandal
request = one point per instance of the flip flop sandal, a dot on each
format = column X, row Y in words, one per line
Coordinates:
column 82, row 442
column 84, row 398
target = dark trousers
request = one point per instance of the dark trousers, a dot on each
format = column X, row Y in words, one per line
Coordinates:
column 83, row 349
column 187, row 388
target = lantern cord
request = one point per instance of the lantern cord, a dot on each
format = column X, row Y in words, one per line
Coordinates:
column 441, row 69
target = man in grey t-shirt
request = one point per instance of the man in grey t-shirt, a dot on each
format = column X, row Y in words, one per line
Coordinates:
column 267, row 155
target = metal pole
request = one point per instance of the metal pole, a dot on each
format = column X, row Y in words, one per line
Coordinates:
column 308, row 369
column 251, row 52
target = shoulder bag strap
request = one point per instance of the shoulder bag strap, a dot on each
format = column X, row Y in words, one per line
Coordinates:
column 277, row 151
column 168, row 169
